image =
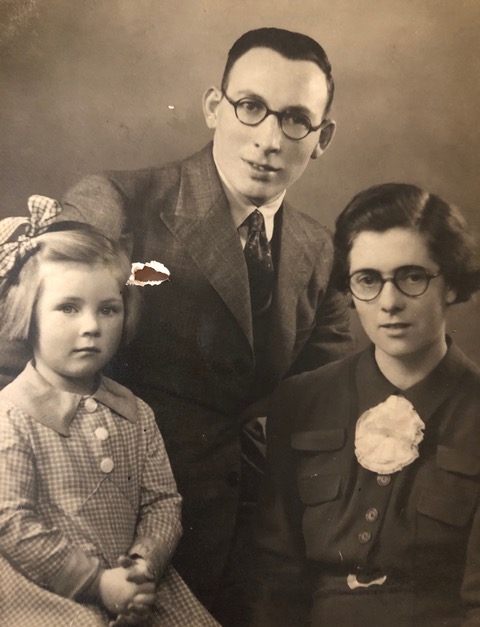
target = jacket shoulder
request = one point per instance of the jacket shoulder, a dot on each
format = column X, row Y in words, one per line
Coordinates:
column 296, row 398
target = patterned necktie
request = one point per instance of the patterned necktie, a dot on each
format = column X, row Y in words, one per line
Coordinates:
column 258, row 256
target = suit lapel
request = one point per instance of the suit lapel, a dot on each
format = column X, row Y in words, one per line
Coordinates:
column 202, row 221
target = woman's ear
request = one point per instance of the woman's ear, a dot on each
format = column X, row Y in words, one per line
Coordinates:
column 326, row 135
column 211, row 99
column 451, row 296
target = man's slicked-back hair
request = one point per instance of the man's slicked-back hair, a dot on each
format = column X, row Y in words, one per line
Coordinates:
column 294, row 46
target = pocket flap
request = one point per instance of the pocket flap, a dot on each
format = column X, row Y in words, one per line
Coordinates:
column 318, row 440
column 445, row 509
column 316, row 489
column 457, row 461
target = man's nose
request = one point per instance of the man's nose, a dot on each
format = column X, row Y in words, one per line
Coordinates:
column 269, row 134
column 391, row 298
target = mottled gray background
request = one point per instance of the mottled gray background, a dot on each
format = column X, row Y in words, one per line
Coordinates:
column 86, row 85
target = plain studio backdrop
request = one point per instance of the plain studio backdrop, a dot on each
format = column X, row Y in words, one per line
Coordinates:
column 95, row 84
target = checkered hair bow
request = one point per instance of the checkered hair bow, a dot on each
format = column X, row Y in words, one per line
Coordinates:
column 43, row 212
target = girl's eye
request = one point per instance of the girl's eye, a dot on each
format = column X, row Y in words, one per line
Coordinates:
column 68, row 309
column 109, row 310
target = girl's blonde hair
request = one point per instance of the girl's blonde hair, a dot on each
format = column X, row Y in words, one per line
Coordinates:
column 79, row 243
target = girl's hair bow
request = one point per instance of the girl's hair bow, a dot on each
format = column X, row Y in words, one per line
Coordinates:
column 43, row 212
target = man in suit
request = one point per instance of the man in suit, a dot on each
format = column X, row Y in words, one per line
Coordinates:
column 248, row 303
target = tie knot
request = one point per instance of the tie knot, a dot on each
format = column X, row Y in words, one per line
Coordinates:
column 255, row 221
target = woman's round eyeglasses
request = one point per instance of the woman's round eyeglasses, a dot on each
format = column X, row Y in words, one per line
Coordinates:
column 409, row 280
column 294, row 124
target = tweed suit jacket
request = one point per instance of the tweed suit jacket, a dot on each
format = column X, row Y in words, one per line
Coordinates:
column 193, row 359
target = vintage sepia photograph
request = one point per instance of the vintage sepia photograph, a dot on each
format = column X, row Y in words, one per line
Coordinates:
column 239, row 313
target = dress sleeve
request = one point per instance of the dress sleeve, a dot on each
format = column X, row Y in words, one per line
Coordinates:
column 159, row 528
column 281, row 584
column 471, row 580
column 39, row 551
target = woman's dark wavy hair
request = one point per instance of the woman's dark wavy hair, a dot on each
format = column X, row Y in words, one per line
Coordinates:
column 393, row 205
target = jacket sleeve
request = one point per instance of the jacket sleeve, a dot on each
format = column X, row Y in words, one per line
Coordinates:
column 36, row 549
column 330, row 338
column 158, row 528
column 280, row 579
column 98, row 201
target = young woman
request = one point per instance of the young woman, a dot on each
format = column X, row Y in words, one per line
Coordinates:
column 372, row 500
column 89, row 510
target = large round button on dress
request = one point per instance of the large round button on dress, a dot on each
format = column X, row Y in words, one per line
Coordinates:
column 364, row 537
column 101, row 434
column 106, row 465
column 383, row 480
column 91, row 405
column 371, row 515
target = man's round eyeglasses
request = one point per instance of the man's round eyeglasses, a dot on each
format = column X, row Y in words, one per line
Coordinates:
column 252, row 112
column 409, row 280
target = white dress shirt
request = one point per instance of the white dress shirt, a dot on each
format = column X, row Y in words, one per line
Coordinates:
column 241, row 207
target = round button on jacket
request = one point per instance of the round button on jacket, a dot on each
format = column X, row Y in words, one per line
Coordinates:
column 106, row 465
column 383, row 480
column 371, row 514
column 364, row 537
column 101, row 434
column 90, row 405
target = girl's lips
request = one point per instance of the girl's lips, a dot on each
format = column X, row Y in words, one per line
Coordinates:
column 87, row 350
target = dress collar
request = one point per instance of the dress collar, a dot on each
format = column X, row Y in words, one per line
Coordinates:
column 56, row 408
column 426, row 395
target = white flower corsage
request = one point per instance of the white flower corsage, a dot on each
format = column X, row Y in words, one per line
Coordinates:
column 387, row 436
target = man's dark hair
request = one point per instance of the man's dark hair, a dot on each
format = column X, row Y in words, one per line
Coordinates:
column 399, row 205
column 290, row 45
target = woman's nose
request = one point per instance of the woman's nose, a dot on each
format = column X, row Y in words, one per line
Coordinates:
column 391, row 298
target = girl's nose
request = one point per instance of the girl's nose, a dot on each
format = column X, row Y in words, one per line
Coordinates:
column 268, row 134
column 90, row 325
column 391, row 298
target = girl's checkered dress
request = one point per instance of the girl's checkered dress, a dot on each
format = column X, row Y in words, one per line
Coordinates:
column 83, row 480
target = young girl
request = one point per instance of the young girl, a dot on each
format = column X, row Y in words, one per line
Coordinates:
column 89, row 510
column 372, row 508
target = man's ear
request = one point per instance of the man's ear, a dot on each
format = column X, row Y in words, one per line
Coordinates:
column 211, row 99
column 326, row 135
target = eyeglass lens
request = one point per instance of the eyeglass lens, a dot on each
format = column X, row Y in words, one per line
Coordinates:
column 251, row 112
column 410, row 280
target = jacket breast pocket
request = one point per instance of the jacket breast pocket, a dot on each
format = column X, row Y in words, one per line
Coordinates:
column 319, row 483
column 453, row 495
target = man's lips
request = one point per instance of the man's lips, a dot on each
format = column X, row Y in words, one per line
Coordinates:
column 261, row 167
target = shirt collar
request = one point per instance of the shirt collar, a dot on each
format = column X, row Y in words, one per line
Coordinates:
column 426, row 396
column 241, row 207
column 56, row 408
